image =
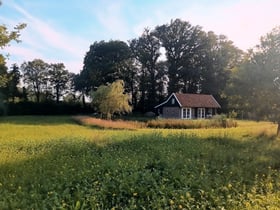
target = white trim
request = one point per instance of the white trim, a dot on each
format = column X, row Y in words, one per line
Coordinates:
column 219, row 106
column 173, row 94
column 186, row 109
column 201, row 113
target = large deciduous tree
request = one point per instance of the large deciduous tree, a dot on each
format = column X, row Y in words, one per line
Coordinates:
column 182, row 43
column 219, row 58
column 111, row 99
column 14, row 80
column 146, row 50
column 105, row 63
column 58, row 78
column 254, row 88
column 35, row 76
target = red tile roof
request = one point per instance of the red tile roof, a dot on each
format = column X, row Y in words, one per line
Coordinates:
column 197, row 100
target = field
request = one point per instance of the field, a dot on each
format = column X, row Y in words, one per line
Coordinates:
column 55, row 163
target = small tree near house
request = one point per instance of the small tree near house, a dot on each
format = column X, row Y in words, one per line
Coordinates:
column 111, row 99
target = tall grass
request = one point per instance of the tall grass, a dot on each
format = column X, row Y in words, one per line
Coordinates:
column 218, row 122
column 108, row 124
column 63, row 165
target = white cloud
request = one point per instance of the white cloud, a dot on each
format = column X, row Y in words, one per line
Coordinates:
column 112, row 20
column 42, row 40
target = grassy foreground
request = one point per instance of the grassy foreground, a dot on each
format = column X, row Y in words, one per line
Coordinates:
column 54, row 163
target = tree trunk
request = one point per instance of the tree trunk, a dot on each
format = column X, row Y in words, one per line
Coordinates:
column 84, row 100
column 57, row 94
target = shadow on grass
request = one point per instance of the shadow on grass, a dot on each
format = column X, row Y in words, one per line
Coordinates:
column 37, row 120
column 149, row 171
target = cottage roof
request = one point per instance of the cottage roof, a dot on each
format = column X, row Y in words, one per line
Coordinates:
column 193, row 100
column 197, row 100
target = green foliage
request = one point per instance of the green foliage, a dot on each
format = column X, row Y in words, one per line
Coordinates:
column 104, row 63
column 111, row 99
column 14, row 80
column 219, row 57
column 59, row 77
column 51, row 163
column 181, row 41
column 254, row 88
column 35, row 76
column 146, row 50
column 4, row 79
column 7, row 36
column 197, row 61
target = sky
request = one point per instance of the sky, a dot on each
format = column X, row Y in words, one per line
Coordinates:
column 61, row 31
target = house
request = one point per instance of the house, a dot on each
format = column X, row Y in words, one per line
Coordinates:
column 188, row 106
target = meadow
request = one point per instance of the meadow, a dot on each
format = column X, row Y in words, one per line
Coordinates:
column 55, row 163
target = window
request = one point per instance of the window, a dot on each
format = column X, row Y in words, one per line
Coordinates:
column 201, row 113
column 172, row 101
column 209, row 112
column 186, row 113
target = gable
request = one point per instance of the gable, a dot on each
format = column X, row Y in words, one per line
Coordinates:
column 171, row 101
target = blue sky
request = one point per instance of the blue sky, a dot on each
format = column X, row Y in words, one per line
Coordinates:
column 62, row 30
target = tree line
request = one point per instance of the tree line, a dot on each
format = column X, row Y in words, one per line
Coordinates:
column 173, row 57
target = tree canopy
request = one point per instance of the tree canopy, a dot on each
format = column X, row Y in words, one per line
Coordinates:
column 146, row 50
column 6, row 37
column 254, row 88
column 111, row 99
column 105, row 63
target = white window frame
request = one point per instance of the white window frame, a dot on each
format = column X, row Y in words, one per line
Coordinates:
column 210, row 112
column 186, row 113
column 201, row 113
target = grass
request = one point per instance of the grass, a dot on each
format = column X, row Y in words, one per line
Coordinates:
column 54, row 163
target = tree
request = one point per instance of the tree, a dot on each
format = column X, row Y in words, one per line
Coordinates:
column 58, row 78
column 146, row 50
column 6, row 37
column 70, row 95
column 111, row 99
column 82, row 84
column 14, row 80
column 105, row 63
column 4, row 80
column 219, row 58
column 182, row 43
column 254, row 87
column 35, row 76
